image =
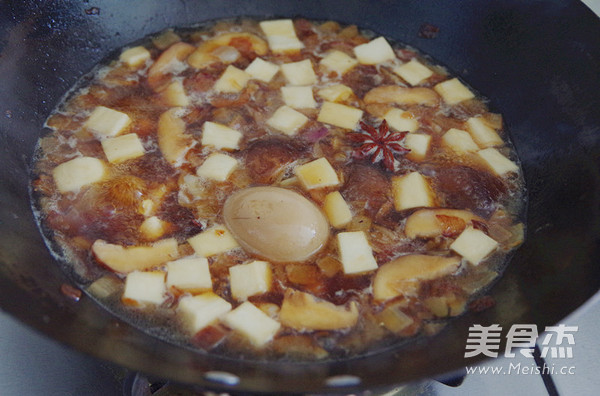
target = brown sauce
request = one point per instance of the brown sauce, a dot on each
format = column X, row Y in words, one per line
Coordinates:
column 153, row 192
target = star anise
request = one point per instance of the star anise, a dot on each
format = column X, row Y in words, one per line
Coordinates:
column 380, row 144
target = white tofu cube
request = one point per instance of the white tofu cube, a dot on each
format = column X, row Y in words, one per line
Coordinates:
column 217, row 167
column 482, row 134
column 453, row 91
column 122, row 148
column 356, row 254
column 174, row 95
column 233, row 80
column 250, row 279
column 189, row 274
column 413, row 72
column 459, row 141
column 281, row 35
column 337, row 210
column 262, row 70
column 339, row 115
column 135, row 56
column 374, row 52
column 144, row 288
column 335, row 93
column 338, row 62
column 474, row 245
column 411, row 191
column 299, row 73
column 220, row 136
column 105, row 122
column 199, row 311
column 418, row 144
column 153, row 228
column 252, row 323
column 287, row 120
column 214, row 240
column 401, row 120
column 298, row 97
column 316, row 174
column 497, row 162
column 70, row 176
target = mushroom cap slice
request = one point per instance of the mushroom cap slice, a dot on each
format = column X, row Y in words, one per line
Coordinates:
column 125, row 259
column 430, row 223
column 173, row 141
column 402, row 275
column 303, row 311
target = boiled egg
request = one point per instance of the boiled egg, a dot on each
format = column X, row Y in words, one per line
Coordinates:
column 276, row 223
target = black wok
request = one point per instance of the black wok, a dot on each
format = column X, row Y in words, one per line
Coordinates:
column 539, row 62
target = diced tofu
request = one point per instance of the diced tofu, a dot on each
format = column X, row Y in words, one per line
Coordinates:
column 144, row 288
column 250, row 279
column 374, row 52
column 453, row 91
column 497, row 162
column 337, row 210
column 339, row 115
column 412, row 191
column 299, row 73
column 281, row 35
column 298, row 97
column 401, row 120
column 338, row 62
column 153, row 228
column 220, row 136
column 335, row 93
column 262, row 70
column 316, row 174
column 122, row 148
column 413, row 72
column 135, row 56
column 253, row 323
column 474, row 245
column 199, row 311
column 233, row 80
column 287, row 120
column 217, row 167
column 125, row 259
column 459, row 141
column 70, row 176
column 482, row 134
column 215, row 240
column 174, row 94
column 189, row 274
column 105, row 122
column 356, row 254
column 418, row 144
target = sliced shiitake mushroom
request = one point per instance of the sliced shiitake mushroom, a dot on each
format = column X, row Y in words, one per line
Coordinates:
column 125, row 259
column 402, row 275
column 303, row 311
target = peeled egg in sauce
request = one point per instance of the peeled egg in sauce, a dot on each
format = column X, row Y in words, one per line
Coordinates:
column 276, row 223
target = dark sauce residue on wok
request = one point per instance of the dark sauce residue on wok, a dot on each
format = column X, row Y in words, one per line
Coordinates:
column 279, row 189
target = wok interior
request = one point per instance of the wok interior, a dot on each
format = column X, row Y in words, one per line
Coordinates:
column 537, row 63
